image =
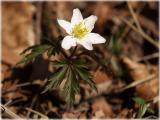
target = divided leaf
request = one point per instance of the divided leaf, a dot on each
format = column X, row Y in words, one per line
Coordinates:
column 29, row 48
column 71, row 87
column 60, row 63
column 80, row 63
column 37, row 50
column 73, row 71
column 52, row 51
column 56, row 79
column 86, row 76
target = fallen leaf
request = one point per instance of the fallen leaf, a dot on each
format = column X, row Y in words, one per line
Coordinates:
column 139, row 71
column 101, row 109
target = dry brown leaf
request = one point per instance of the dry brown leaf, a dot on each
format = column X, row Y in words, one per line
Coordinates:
column 125, row 113
column 138, row 72
column 68, row 115
column 100, row 77
column 83, row 115
column 101, row 109
column 10, row 91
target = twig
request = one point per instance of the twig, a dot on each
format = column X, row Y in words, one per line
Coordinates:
column 8, row 103
column 138, row 82
column 38, row 113
column 134, row 16
column 127, row 28
column 108, row 87
column 148, row 57
column 16, row 87
column 9, row 112
column 148, row 38
column 32, row 104
column 24, row 84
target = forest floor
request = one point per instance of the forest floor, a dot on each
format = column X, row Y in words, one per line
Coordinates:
column 127, row 85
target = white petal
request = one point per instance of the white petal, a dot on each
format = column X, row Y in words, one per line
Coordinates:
column 85, row 43
column 76, row 17
column 65, row 25
column 95, row 38
column 90, row 21
column 68, row 42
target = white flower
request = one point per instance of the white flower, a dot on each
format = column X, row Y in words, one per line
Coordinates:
column 79, row 31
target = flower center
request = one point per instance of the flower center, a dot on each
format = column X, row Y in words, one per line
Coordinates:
column 79, row 30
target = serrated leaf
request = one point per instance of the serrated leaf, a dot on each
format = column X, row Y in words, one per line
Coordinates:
column 36, row 51
column 86, row 76
column 71, row 87
column 29, row 48
column 52, row 51
column 41, row 48
column 60, row 63
column 80, row 63
column 28, row 58
column 56, row 79
column 139, row 100
column 49, row 53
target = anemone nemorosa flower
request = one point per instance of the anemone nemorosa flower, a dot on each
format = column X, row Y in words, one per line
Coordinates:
column 79, row 31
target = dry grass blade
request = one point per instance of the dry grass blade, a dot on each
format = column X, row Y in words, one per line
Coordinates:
column 148, row 57
column 38, row 113
column 151, row 77
column 148, row 38
column 127, row 28
column 134, row 15
column 10, row 113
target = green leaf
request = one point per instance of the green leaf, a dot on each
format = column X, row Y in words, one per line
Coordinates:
column 80, row 63
column 56, row 79
column 150, row 110
column 36, row 51
column 29, row 48
column 142, row 111
column 139, row 100
column 71, row 87
column 28, row 57
column 86, row 76
column 41, row 48
column 52, row 51
column 118, row 70
column 143, row 107
column 115, row 47
column 60, row 63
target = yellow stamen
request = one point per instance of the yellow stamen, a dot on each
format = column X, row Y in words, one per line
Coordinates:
column 79, row 30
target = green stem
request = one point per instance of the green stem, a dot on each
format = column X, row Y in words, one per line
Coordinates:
column 55, row 45
column 73, row 52
column 63, row 53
